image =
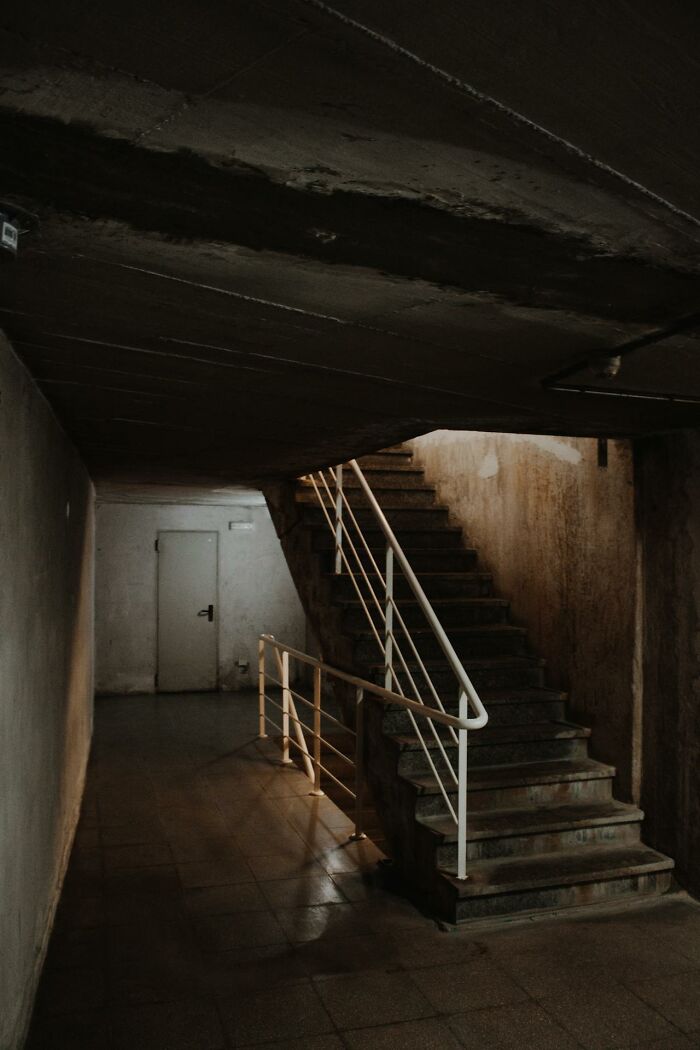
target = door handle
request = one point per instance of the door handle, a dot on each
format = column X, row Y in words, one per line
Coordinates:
column 208, row 612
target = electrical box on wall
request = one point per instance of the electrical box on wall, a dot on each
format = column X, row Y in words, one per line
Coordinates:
column 9, row 234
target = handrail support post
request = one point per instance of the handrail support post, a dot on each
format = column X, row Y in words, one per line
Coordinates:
column 286, row 698
column 462, row 789
column 389, row 619
column 339, row 519
column 317, row 734
column 262, row 728
column 358, row 833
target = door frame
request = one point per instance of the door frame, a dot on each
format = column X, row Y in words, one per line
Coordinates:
column 217, row 607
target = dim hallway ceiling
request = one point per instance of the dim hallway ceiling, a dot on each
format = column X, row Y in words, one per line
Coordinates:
column 263, row 237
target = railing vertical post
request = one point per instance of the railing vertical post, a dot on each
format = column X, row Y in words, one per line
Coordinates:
column 389, row 619
column 317, row 732
column 286, row 697
column 338, row 519
column 462, row 790
column 261, row 689
column 359, row 763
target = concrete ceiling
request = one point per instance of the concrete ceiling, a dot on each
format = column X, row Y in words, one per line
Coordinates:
column 273, row 234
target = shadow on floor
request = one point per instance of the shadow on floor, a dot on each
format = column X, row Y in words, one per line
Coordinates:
column 211, row 902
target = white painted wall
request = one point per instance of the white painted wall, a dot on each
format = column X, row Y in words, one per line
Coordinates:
column 256, row 592
column 46, row 676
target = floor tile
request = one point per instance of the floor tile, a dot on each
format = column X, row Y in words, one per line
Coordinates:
column 225, row 900
column 604, row 1016
column 355, row 954
column 247, row 930
column 271, row 1015
column 275, row 866
column 676, row 997
column 75, row 1031
column 219, row 872
column 472, row 985
column 362, row 1000
column 428, row 1034
column 168, row 1026
column 241, row 971
column 511, row 1028
column 321, row 920
column 138, row 855
column 301, row 893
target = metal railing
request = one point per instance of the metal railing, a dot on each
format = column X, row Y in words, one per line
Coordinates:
column 312, row 757
column 405, row 670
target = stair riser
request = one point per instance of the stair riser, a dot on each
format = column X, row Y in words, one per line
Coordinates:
column 457, row 615
column 414, row 761
column 387, row 498
column 477, row 647
column 562, row 896
column 518, row 677
column 530, row 845
column 386, row 479
column 448, row 545
column 499, row 715
column 399, row 519
column 533, row 795
column 441, row 587
column 385, row 460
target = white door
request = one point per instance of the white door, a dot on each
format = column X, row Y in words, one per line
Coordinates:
column 187, row 611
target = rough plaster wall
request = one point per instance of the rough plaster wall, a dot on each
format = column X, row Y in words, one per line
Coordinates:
column 558, row 533
column 46, row 676
column 256, row 592
column 668, row 473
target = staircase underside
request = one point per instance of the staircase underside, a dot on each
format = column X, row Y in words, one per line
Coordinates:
column 544, row 831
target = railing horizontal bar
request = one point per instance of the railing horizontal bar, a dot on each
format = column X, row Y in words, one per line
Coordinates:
column 385, row 695
column 324, row 714
column 339, row 783
column 311, row 733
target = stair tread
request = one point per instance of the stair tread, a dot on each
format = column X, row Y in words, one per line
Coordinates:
column 529, row 732
column 472, row 628
column 474, row 663
column 586, row 864
column 500, row 823
column 522, row 774
column 400, row 529
column 429, row 575
column 469, row 601
column 499, row 697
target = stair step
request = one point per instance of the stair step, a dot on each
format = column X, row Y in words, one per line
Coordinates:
column 401, row 518
column 437, row 585
column 389, row 457
column 497, row 745
column 452, row 612
column 398, row 476
column 527, row 784
column 493, row 824
column 490, row 735
column 495, row 672
column 542, row 830
column 526, row 774
column 419, row 537
column 556, row 880
column 475, row 640
column 389, row 497
column 505, row 707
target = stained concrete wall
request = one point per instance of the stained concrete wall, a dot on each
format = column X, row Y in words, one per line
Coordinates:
column 256, row 592
column 46, row 675
column 557, row 530
column 668, row 483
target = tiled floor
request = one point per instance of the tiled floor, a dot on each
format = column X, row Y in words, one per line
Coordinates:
column 212, row 903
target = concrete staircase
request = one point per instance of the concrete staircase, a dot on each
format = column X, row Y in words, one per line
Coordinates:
column 545, row 831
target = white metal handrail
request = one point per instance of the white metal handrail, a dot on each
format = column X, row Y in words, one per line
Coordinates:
column 375, row 591
column 363, row 688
